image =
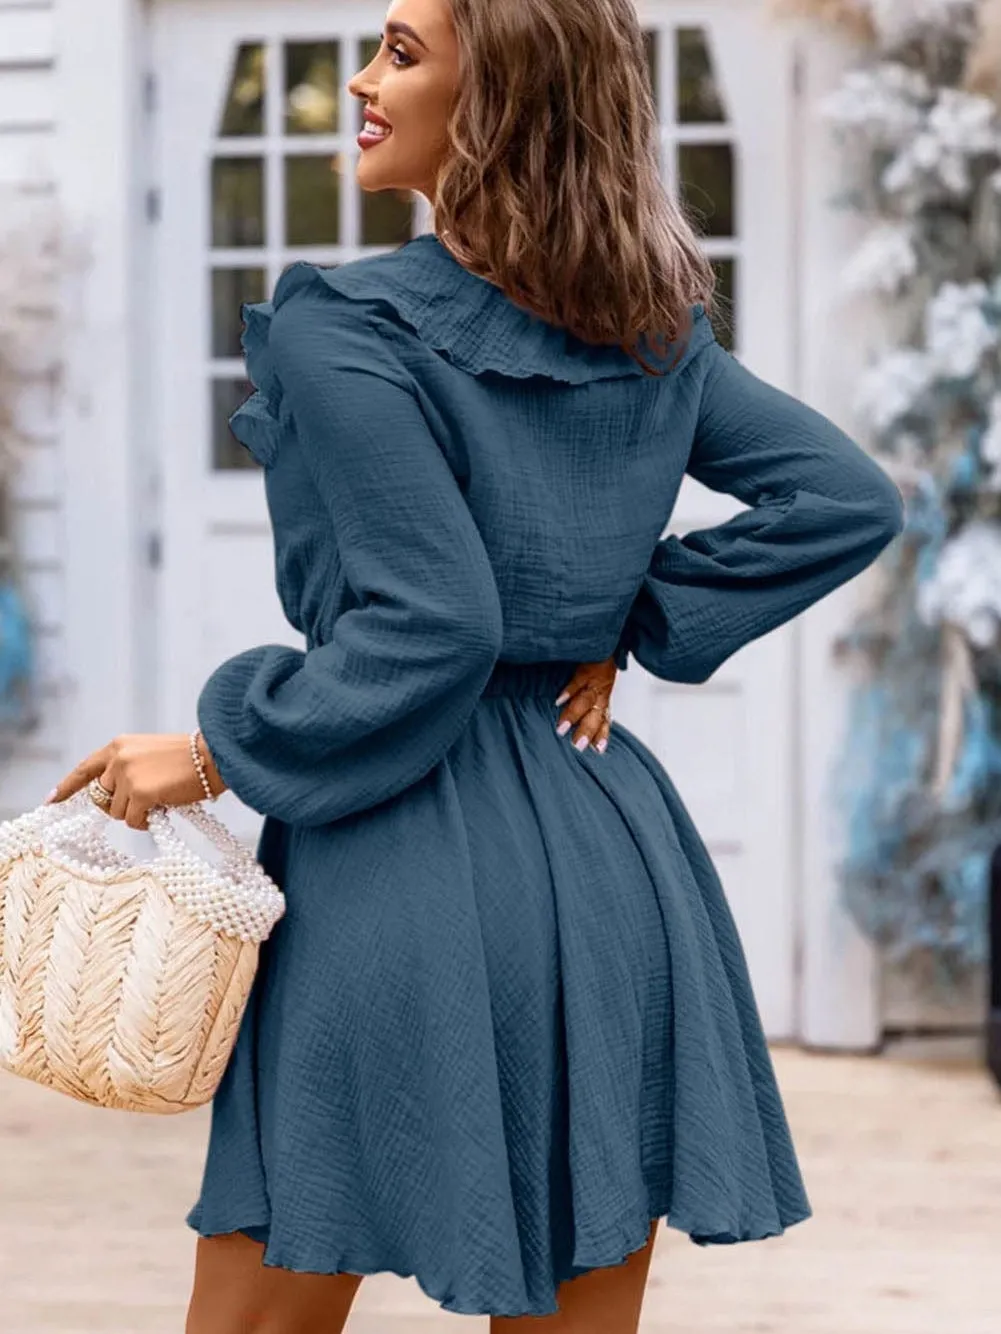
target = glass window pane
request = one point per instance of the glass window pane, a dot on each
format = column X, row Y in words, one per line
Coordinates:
column 312, row 87
column 387, row 217
column 651, row 39
column 705, row 176
column 238, row 201
column 724, row 318
column 699, row 98
column 227, row 451
column 312, row 199
column 231, row 287
column 244, row 109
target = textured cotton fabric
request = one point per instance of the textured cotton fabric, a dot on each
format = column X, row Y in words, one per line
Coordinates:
column 506, row 1020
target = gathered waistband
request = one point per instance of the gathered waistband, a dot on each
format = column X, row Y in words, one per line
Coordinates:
column 546, row 679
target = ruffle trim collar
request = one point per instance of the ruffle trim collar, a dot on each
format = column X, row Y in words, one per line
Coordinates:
column 472, row 323
column 464, row 318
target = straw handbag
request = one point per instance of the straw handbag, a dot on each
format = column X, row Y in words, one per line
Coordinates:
column 123, row 982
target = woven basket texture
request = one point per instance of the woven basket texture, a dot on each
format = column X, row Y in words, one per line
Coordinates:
column 112, row 992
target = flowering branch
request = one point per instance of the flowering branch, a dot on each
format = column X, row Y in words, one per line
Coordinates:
column 920, row 776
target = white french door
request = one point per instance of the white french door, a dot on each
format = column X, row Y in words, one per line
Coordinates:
column 256, row 155
column 256, row 139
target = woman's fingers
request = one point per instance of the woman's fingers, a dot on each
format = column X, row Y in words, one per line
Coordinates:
column 137, row 815
column 602, row 735
column 584, row 711
column 94, row 766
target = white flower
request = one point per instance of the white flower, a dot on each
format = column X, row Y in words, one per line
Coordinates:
column 884, row 260
column 960, row 126
column 898, row 20
column 981, row 627
column 957, row 332
column 966, row 586
column 885, row 102
column 893, row 385
column 965, row 121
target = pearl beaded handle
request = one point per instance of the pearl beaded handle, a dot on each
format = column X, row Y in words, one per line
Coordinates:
column 80, row 814
column 166, row 836
column 236, row 896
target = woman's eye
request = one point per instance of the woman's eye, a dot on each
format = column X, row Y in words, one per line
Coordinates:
column 399, row 51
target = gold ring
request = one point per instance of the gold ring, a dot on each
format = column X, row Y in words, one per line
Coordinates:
column 99, row 794
column 606, row 713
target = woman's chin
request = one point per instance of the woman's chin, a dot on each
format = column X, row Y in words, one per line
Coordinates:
column 373, row 176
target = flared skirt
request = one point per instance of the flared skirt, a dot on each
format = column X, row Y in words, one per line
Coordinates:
column 505, row 1022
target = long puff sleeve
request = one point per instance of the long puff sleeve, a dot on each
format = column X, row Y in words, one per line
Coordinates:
column 821, row 511
column 309, row 737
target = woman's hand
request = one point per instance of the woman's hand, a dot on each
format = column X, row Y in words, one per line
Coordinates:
column 588, row 693
column 143, row 771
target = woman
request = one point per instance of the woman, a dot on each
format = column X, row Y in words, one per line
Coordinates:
column 506, row 1024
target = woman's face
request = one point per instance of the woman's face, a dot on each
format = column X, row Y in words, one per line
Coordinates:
column 409, row 85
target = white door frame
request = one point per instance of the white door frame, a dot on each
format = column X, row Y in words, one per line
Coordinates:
column 110, row 642
column 99, row 159
column 840, row 982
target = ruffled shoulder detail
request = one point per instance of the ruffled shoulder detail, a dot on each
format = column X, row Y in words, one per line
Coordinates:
column 256, row 422
column 464, row 318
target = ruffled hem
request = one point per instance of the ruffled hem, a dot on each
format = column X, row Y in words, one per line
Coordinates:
column 462, row 317
column 445, row 1292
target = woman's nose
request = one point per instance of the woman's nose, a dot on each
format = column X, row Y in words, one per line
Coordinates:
column 361, row 86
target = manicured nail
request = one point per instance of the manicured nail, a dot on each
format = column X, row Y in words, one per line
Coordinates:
column 564, row 727
column 52, row 795
column 582, row 743
column 602, row 744
column 562, row 699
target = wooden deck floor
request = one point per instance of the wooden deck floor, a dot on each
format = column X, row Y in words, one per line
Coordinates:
column 903, row 1164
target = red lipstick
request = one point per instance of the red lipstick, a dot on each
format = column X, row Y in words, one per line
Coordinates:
column 367, row 138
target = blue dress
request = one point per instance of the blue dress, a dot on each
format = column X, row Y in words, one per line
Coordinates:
column 506, row 1021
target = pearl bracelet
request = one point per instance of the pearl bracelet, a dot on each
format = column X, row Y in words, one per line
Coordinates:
column 199, row 763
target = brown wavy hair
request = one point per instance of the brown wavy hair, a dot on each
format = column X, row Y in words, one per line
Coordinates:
column 552, row 189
